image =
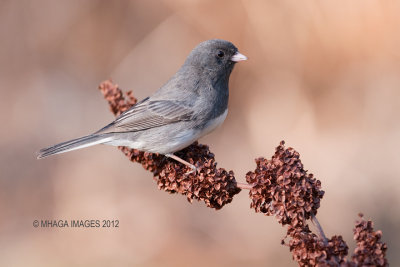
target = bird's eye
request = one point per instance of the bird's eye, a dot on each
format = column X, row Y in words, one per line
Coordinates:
column 221, row 53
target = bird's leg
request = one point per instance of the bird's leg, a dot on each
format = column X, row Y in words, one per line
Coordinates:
column 172, row 156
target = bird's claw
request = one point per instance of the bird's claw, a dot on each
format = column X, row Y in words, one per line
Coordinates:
column 194, row 170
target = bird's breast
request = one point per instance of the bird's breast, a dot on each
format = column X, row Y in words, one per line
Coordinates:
column 212, row 124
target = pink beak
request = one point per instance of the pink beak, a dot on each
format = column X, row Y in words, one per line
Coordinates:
column 238, row 57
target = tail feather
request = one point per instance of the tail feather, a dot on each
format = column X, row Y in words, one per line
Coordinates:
column 89, row 140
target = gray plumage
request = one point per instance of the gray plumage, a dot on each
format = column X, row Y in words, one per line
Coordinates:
column 190, row 105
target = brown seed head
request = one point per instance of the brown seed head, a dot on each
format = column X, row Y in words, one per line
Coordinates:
column 281, row 187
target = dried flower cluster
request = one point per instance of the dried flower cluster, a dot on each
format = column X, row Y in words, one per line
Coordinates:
column 279, row 187
column 215, row 186
column 370, row 250
column 116, row 98
column 310, row 250
column 282, row 188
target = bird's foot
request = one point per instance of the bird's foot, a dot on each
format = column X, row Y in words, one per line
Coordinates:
column 194, row 169
column 191, row 166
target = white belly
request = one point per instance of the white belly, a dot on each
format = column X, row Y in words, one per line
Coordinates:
column 187, row 137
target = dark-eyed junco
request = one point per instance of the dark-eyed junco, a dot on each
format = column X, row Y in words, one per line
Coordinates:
column 190, row 105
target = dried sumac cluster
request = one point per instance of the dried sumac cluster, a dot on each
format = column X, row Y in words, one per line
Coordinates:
column 370, row 250
column 281, row 187
column 310, row 250
column 215, row 186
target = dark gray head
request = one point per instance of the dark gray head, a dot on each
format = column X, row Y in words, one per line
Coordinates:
column 216, row 56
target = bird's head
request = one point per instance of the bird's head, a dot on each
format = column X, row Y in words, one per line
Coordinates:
column 217, row 56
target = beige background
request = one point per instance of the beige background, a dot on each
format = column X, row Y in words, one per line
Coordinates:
column 322, row 75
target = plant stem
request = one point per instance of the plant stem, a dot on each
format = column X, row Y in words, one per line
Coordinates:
column 244, row 186
column 319, row 228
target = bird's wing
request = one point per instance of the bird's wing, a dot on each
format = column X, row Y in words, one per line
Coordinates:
column 149, row 114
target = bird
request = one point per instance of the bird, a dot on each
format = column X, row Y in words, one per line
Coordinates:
column 191, row 104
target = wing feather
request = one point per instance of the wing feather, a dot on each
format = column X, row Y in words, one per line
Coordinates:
column 149, row 114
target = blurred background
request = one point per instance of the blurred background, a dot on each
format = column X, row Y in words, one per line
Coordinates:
column 322, row 75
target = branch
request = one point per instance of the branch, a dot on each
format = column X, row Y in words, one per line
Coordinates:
column 319, row 228
column 279, row 187
column 215, row 186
